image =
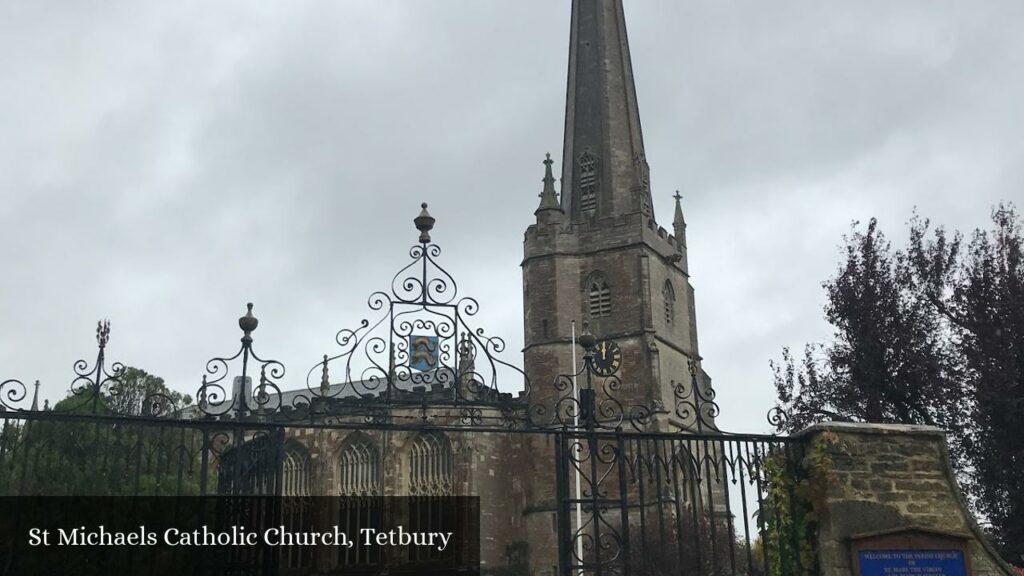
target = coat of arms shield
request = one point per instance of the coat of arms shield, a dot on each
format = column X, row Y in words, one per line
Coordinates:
column 422, row 352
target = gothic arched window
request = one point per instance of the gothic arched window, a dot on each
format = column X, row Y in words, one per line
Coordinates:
column 431, row 465
column 359, row 480
column 669, row 295
column 295, row 480
column 295, row 485
column 599, row 296
column 359, row 467
column 588, row 181
column 431, row 474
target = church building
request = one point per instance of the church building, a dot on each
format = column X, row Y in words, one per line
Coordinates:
column 596, row 263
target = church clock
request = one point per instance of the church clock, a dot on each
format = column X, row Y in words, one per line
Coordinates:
column 607, row 358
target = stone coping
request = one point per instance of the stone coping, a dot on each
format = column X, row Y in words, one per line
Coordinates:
column 876, row 429
column 910, row 528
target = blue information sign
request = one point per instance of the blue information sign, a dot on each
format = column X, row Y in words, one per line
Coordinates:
column 911, row 563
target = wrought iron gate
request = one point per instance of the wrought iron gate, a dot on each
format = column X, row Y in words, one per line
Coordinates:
column 679, row 504
column 638, row 488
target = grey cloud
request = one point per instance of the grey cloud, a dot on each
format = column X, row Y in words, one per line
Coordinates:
column 163, row 163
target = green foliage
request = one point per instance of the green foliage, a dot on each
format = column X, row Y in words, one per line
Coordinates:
column 789, row 515
column 888, row 361
column 979, row 290
column 71, row 454
column 933, row 334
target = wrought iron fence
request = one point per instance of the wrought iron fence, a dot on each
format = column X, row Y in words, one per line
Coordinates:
column 685, row 504
column 630, row 497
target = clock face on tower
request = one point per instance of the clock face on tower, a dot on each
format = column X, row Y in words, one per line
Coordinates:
column 607, row 358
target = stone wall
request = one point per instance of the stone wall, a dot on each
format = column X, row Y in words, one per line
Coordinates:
column 888, row 477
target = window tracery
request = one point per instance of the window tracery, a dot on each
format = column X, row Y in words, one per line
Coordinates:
column 295, row 480
column 359, row 467
column 431, row 465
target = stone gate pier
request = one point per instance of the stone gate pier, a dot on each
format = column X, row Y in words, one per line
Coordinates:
column 891, row 493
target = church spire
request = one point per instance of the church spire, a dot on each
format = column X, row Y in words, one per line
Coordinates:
column 679, row 223
column 604, row 170
column 548, row 199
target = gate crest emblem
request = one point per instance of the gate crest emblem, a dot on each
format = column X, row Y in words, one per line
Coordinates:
column 422, row 352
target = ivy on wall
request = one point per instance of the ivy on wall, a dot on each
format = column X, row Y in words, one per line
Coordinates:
column 796, row 488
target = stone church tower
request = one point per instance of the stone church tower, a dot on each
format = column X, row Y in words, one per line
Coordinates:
column 597, row 255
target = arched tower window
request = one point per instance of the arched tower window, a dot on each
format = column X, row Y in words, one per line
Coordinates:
column 599, row 296
column 669, row 296
column 588, row 181
column 359, row 467
column 295, row 480
column 431, row 465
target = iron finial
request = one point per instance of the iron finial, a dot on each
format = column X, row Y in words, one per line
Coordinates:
column 424, row 223
column 248, row 323
column 102, row 333
column 587, row 340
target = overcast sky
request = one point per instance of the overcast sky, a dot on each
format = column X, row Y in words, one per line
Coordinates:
column 162, row 163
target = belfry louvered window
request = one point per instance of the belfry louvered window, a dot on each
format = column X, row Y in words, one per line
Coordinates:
column 588, row 182
column 359, row 469
column 430, row 465
column 669, row 295
column 600, row 296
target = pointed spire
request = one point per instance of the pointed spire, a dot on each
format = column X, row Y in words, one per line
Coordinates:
column 35, row 398
column 604, row 169
column 466, row 368
column 679, row 223
column 325, row 379
column 548, row 197
column 678, row 220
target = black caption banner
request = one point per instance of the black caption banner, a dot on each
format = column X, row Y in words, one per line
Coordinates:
column 254, row 535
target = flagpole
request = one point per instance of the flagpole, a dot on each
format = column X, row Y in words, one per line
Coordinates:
column 576, row 448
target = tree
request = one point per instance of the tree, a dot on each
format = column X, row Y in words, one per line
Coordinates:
column 933, row 335
column 138, row 393
column 888, row 361
column 979, row 291
column 79, row 454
